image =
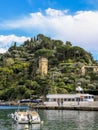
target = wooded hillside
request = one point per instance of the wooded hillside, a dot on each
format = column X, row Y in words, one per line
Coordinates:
column 19, row 77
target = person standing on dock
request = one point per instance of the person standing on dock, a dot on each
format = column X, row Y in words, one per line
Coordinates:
column 58, row 101
column 62, row 102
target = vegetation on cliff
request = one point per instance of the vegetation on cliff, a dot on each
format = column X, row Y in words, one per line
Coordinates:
column 19, row 77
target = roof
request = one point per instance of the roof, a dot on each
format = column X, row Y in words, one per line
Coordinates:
column 66, row 95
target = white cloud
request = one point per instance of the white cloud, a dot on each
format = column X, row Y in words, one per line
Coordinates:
column 53, row 12
column 80, row 28
column 3, row 50
column 7, row 41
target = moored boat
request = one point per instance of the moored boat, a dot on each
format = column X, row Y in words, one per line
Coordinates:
column 26, row 117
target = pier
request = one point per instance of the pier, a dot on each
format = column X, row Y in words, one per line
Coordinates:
column 84, row 106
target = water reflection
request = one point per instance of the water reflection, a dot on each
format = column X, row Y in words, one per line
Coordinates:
column 13, row 107
column 78, row 120
column 25, row 126
column 54, row 120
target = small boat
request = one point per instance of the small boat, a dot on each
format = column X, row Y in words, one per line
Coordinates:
column 26, row 117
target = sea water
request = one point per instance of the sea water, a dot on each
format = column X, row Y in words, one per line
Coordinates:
column 52, row 120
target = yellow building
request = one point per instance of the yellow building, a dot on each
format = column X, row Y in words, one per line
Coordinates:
column 43, row 66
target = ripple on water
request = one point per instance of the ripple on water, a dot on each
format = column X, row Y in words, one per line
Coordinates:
column 54, row 120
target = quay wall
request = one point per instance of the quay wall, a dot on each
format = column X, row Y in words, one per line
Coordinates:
column 85, row 106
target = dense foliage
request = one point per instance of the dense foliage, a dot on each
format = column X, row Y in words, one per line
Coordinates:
column 19, row 77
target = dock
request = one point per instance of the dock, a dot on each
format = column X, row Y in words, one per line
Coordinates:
column 83, row 106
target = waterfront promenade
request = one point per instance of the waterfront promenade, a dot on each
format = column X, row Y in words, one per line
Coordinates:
column 89, row 106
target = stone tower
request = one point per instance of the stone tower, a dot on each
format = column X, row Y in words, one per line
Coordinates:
column 43, row 66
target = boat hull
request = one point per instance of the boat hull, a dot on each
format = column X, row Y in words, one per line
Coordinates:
column 28, row 117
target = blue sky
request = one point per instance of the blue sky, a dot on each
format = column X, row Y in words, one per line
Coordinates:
column 67, row 20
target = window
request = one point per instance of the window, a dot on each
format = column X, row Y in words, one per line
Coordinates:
column 73, row 99
column 54, row 100
column 86, row 97
column 65, row 99
column 69, row 99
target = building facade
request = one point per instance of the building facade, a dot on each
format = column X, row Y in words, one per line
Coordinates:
column 43, row 66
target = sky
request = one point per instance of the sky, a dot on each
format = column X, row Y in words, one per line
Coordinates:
column 67, row 20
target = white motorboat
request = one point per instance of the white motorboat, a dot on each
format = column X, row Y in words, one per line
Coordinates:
column 26, row 117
